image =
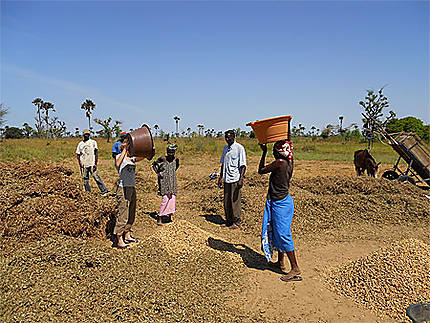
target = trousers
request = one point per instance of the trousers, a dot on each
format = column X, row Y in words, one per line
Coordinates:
column 232, row 208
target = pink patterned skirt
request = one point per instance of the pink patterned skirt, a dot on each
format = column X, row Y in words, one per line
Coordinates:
column 168, row 205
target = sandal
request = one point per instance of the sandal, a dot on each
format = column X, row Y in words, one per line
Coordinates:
column 291, row 278
column 132, row 240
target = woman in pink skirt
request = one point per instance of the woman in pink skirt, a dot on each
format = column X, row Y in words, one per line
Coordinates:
column 165, row 167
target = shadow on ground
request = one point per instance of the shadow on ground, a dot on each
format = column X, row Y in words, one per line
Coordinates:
column 154, row 215
column 250, row 258
column 213, row 218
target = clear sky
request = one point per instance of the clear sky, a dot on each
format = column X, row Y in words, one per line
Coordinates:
column 220, row 64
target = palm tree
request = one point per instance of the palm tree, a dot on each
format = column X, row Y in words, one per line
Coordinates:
column 38, row 103
column 88, row 105
column 46, row 106
column 156, row 127
column 176, row 118
column 313, row 128
column 201, row 127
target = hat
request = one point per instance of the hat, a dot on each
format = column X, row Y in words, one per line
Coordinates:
column 86, row 132
column 123, row 134
column 172, row 147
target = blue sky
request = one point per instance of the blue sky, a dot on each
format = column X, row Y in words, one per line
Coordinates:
column 220, row 64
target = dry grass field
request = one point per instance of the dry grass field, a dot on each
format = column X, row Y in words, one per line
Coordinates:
column 363, row 244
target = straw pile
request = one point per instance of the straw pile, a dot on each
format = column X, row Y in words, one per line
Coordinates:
column 387, row 280
column 40, row 198
column 323, row 203
column 68, row 279
column 180, row 238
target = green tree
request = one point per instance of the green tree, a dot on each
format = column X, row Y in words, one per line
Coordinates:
column 117, row 129
column 88, row 105
column 408, row 124
column 373, row 105
column 27, row 130
column 108, row 129
column 3, row 112
column 327, row 131
column 57, row 128
column 12, row 133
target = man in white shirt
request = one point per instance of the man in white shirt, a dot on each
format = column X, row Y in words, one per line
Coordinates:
column 233, row 167
column 87, row 155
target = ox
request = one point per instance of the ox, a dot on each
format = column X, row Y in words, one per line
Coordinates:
column 364, row 161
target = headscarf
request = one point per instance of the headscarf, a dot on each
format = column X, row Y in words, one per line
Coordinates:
column 172, row 147
column 285, row 148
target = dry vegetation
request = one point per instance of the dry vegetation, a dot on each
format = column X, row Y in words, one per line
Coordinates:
column 56, row 263
column 389, row 279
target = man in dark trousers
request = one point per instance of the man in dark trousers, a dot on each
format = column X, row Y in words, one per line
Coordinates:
column 233, row 167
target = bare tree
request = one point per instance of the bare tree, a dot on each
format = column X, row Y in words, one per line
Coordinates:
column 38, row 102
column 3, row 111
column 46, row 106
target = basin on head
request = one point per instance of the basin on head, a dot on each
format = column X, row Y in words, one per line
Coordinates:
column 141, row 143
column 272, row 129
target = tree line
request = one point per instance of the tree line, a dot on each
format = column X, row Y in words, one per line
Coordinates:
column 48, row 125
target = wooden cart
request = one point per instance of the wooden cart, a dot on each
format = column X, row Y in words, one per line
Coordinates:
column 416, row 154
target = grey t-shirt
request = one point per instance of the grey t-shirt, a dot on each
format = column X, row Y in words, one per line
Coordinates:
column 127, row 171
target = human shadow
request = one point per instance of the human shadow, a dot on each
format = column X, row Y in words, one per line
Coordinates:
column 154, row 215
column 213, row 218
column 151, row 214
column 109, row 228
column 250, row 258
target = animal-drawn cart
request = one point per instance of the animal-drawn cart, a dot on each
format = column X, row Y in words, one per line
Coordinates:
column 416, row 154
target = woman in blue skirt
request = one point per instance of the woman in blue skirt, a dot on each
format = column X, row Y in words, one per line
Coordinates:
column 279, row 209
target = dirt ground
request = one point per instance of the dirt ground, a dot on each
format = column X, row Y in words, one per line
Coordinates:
column 254, row 291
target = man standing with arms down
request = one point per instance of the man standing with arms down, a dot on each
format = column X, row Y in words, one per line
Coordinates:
column 87, row 154
column 233, row 167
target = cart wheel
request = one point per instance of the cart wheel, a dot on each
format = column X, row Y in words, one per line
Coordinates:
column 405, row 178
column 390, row 174
column 419, row 312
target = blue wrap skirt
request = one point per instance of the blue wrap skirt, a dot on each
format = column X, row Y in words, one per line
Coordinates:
column 276, row 231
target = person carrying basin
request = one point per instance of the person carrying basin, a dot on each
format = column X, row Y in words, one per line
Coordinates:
column 126, row 197
column 279, row 208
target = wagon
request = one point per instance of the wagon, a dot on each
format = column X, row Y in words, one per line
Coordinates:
column 416, row 154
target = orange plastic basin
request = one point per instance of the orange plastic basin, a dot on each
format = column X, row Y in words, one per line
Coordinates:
column 272, row 129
